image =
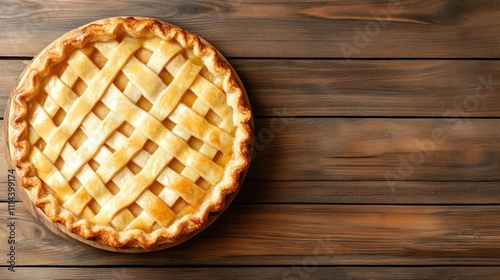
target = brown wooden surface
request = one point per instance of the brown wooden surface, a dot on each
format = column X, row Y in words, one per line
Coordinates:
column 230, row 273
column 284, row 234
column 409, row 28
column 369, row 88
column 385, row 166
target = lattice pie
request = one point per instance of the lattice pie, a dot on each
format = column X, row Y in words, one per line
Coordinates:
column 130, row 132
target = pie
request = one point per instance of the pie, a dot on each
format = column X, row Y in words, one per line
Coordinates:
column 130, row 132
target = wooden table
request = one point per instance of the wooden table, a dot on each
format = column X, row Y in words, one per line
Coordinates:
column 377, row 141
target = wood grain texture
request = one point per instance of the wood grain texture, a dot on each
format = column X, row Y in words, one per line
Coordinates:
column 370, row 192
column 361, row 192
column 357, row 192
column 377, row 149
column 384, row 166
column 396, row 88
column 296, row 234
column 228, row 273
column 422, row 88
column 387, row 155
column 345, row 29
column 386, row 150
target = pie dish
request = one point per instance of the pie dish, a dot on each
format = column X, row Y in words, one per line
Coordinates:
column 130, row 132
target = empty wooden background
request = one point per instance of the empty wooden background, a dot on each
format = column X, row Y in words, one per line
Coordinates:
column 377, row 141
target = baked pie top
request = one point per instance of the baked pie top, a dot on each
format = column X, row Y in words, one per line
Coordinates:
column 130, row 132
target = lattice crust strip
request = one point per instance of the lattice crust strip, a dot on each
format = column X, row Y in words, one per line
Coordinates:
column 103, row 153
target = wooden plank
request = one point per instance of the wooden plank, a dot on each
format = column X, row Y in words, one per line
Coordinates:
column 309, row 271
column 317, row 149
column 292, row 235
column 444, row 28
column 346, row 192
column 391, row 152
column 359, row 192
column 372, row 87
column 369, row 192
column 357, row 88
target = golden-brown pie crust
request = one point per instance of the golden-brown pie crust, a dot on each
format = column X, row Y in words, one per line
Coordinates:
column 33, row 79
